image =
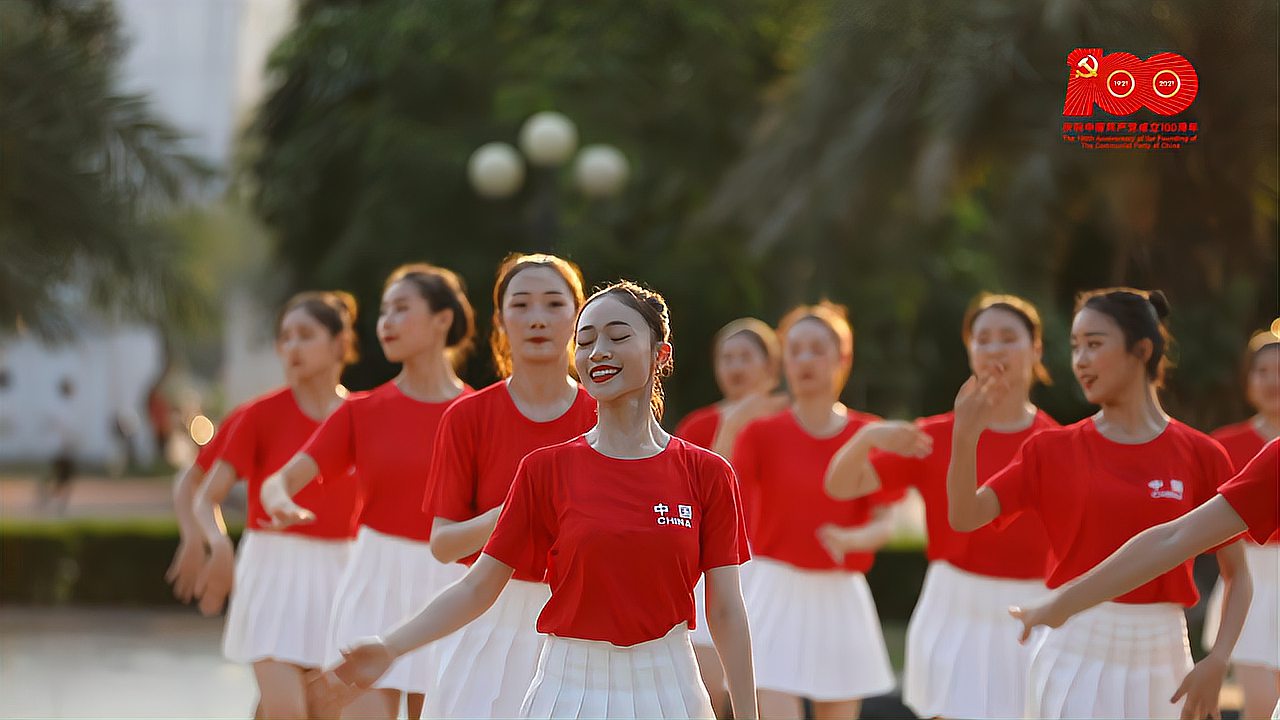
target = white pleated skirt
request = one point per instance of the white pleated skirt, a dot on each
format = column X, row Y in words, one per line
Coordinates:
column 815, row 633
column 593, row 679
column 1259, row 642
column 486, row 668
column 387, row 581
column 963, row 655
column 282, row 598
column 1111, row 661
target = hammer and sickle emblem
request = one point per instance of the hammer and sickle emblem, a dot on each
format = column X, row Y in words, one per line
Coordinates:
column 1090, row 65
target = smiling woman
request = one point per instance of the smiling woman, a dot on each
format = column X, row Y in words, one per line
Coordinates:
column 1094, row 485
column 621, row 521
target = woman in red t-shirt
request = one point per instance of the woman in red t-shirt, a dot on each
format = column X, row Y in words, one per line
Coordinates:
column 962, row 660
column 622, row 520
column 486, row 667
column 747, row 363
column 1094, row 485
column 284, row 580
column 1249, row 502
column 381, row 441
column 815, row 629
column 189, row 558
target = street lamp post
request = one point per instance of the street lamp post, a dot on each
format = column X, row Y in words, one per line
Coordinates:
column 547, row 140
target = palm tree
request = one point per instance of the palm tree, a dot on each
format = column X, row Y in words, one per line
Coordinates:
column 919, row 157
column 84, row 172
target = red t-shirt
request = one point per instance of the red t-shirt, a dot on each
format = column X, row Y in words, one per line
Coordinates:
column 1093, row 494
column 781, row 468
column 699, row 427
column 1018, row 549
column 1241, row 441
column 1255, row 494
column 387, row 438
column 622, row 542
column 481, row 441
column 269, row 433
column 212, row 450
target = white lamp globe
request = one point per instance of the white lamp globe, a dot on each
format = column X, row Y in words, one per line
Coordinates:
column 495, row 170
column 601, row 171
column 548, row 139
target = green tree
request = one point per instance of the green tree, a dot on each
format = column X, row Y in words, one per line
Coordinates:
column 360, row 152
column 84, row 170
column 918, row 160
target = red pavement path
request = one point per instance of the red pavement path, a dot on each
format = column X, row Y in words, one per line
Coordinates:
column 91, row 497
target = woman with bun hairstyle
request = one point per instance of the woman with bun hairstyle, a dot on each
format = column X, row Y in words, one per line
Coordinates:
column 381, row 441
column 814, row 625
column 284, row 580
column 747, row 363
column 962, row 660
column 486, row 667
column 1256, row 659
column 1094, row 485
column 1248, row 503
column 621, row 520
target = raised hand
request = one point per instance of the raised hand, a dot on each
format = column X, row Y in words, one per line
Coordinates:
column 901, row 438
column 978, row 398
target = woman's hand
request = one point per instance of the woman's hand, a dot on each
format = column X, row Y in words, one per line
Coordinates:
column 901, row 438
column 363, row 663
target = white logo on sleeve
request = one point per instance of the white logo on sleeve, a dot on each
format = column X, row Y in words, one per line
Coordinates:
column 685, row 518
column 1174, row 491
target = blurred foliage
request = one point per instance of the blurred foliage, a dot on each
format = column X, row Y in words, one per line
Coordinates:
column 918, row 160
column 84, row 170
column 360, row 151
column 903, row 160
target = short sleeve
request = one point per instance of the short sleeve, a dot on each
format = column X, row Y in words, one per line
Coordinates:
column 241, row 448
column 452, row 481
column 723, row 530
column 332, row 445
column 1017, row 485
column 524, row 533
column 1217, row 468
column 211, row 452
column 1255, row 493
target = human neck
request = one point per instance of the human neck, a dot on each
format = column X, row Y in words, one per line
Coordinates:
column 542, row 391
column 820, row 415
column 1134, row 417
column 626, row 429
column 315, row 395
column 429, row 377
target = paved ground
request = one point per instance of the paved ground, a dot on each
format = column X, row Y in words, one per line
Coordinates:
column 81, row 663
column 96, row 497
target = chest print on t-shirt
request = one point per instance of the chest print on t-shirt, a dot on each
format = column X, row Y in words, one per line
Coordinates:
column 683, row 516
column 1172, row 492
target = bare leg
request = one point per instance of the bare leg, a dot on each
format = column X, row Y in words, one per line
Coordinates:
column 840, row 710
column 776, row 705
column 415, row 702
column 373, row 705
column 1261, row 686
column 282, row 691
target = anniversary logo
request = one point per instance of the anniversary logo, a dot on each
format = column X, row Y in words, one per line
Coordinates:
column 1121, row 85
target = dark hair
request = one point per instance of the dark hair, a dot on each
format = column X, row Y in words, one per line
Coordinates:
column 334, row 309
column 513, row 265
column 1022, row 309
column 443, row 290
column 834, row 317
column 1140, row 315
column 653, row 308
